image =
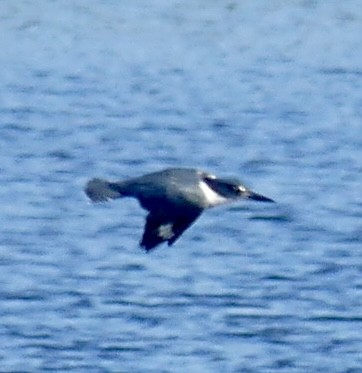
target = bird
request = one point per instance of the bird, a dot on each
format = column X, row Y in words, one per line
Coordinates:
column 173, row 197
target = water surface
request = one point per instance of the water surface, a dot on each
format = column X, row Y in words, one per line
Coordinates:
column 265, row 91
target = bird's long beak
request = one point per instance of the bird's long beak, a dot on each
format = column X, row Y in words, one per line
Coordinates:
column 258, row 197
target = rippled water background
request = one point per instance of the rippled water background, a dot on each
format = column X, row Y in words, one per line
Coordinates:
column 269, row 91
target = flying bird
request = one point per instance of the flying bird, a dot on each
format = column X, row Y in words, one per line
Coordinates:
column 174, row 199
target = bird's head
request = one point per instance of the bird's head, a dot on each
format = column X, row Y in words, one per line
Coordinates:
column 232, row 189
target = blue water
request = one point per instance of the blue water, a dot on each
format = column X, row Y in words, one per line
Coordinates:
column 267, row 91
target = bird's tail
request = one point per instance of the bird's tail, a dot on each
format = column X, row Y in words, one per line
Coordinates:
column 99, row 190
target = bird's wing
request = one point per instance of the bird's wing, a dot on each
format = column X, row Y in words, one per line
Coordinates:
column 160, row 227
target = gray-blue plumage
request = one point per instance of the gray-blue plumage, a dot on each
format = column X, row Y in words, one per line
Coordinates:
column 174, row 198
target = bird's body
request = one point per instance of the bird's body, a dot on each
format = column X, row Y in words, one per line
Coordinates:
column 174, row 197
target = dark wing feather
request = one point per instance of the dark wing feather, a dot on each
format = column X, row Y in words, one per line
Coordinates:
column 161, row 228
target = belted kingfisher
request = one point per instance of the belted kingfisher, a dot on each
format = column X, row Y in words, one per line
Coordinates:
column 174, row 199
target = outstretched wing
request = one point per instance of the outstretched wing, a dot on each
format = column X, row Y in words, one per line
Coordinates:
column 160, row 228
